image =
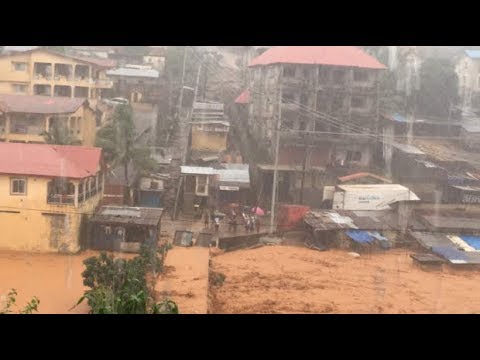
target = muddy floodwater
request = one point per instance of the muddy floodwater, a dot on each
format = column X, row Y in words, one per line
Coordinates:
column 284, row 279
column 55, row 279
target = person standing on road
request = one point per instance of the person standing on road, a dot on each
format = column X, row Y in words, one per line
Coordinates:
column 206, row 218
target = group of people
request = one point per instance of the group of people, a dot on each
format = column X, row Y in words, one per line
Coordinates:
column 251, row 220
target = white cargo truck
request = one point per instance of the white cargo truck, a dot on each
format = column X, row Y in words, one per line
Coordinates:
column 370, row 197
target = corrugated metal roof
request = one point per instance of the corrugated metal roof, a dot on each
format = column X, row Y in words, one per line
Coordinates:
column 474, row 54
column 36, row 104
column 370, row 187
column 409, row 149
column 452, row 254
column 128, row 215
column 451, row 222
column 19, row 48
column 150, row 73
column 243, row 98
column 466, row 187
column 232, row 175
column 211, row 122
column 473, row 127
column 105, row 63
column 429, row 239
column 325, row 55
column 197, row 170
column 324, row 220
column 49, row 160
column 363, row 175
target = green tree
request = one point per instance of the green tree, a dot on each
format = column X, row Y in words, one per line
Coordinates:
column 60, row 135
column 119, row 142
column 30, row 308
column 438, row 88
column 118, row 286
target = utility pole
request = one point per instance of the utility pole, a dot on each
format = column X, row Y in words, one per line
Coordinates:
column 275, row 170
column 304, row 169
column 189, row 119
column 183, row 79
column 205, row 80
column 186, row 136
column 275, row 174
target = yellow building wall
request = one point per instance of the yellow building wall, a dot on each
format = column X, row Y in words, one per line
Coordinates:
column 208, row 140
column 8, row 75
column 87, row 128
column 25, row 228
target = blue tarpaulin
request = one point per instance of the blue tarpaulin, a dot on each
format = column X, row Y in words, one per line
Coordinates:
column 452, row 254
column 362, row 237
column 473, row 241
column 367, row 237
column 474, row 54
column 399, row 118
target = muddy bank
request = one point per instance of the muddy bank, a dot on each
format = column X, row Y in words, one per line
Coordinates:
column 285, row 279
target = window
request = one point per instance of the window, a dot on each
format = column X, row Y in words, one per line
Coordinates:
column 337, row 103
column 302, row 125
column 19, row 88
column 306, row 73
column 288, row 97
column 359, row 102
column 304, row 99
column 202, row 182
column 18, row 186
column 339, row 76
column 289, row 71
column 19, row 66
column 360, row 75
column 354, row 156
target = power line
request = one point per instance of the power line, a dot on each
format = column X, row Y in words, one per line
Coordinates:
column 342, row 124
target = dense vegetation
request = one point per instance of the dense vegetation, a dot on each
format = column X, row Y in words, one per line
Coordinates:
column 119, row 286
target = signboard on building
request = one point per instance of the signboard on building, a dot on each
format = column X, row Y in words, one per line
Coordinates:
column 229, row 188
column 208, row 106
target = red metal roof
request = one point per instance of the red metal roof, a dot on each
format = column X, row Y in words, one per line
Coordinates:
column 75, row 162
column 37, row 104
column 243, row 98
column 326, row 55
column 362, row 175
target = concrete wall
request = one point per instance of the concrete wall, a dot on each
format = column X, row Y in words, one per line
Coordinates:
column 29, row 223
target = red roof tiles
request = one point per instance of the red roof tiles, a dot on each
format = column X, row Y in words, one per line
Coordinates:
column 36, row 104
column 325, row 55
column 75, row 162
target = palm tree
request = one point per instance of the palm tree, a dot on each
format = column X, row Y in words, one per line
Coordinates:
column 119, row 143
column 59, row 135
